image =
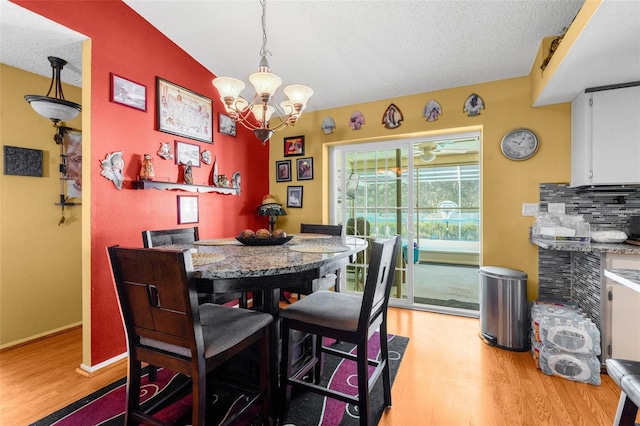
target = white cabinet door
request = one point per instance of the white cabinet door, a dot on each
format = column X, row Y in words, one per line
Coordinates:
column 622, row 315
column 605, row 137
column 581, row 140
column 616, row 136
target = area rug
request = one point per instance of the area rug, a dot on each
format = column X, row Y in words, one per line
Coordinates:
column 105, row 407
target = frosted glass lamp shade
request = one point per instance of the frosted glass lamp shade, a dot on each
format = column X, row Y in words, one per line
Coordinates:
column 228, row 87
column 265, row 83
column 54, row 109
column 298, row 94
column 259, row 109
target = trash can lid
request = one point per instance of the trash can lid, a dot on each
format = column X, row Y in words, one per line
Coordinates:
column 500, row 272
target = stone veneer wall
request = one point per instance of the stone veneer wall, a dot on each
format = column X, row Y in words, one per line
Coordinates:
column 576, row 276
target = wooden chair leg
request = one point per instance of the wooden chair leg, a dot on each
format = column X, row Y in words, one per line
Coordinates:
column 285, row 373
column 133, row 391
column 264, row 380
column 626, row 413
column 152, row 373
column 386, row 376
column 319, row 356
column 199, row 401
column 363, row 383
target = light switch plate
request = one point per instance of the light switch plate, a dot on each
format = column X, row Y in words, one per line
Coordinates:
column 557, row 208
column 530, row 209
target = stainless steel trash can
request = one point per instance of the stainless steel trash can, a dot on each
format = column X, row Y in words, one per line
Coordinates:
column 504, row 310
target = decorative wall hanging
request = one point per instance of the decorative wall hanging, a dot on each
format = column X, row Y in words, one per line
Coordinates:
column 146, row 171
column 304, row 167
column 183, row 112
column 165, row 151
column 283, row 171
column 473, row 105
column 552, row 50
column 188, row 173
column 294, row 196
column 392, row 117
column 328, row 125
column 226, row 125
column 206, row 157
column 356, row 121
column 214, row 173
column 235, row 182
column 223, row 181
column 187, row 209
column 187, row 152
column 22, row 161
column 72, row 157
column 128, row 93
column 294, row 146
column 432, row 110
column 112, row 167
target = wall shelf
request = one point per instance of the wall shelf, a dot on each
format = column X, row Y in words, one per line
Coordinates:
column 150, row 184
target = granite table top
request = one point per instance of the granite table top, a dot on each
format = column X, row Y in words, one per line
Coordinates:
column 627, row 277
column 300, row 254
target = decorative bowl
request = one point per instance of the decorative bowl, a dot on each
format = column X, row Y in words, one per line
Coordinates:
column 264, row 241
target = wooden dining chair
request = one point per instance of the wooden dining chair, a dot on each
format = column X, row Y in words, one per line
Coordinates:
column 166, row 327
column 626, row 374
column 325, row 282
column 347, row 318
column 167, row 237
column 189, row 235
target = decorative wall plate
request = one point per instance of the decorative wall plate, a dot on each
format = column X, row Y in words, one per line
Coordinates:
column 356, row 121
column 328, row 125
column 473, row 105
column 392, row 117
column 432, row 110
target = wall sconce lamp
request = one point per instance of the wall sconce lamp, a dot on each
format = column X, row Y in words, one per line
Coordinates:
column 57, row 108
column 270, row 207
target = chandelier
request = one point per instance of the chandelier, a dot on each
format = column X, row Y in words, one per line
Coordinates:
column 57, row 108
column 256, row 115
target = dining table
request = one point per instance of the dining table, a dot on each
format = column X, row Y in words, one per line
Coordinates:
column 225, row 265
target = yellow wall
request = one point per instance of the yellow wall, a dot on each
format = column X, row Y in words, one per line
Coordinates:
column 505, row 184
column 40, row 264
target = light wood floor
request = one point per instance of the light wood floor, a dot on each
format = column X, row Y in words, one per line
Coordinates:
column 447, row 377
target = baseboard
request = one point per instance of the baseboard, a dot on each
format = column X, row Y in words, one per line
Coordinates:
column 41, row 336
column 87, row 370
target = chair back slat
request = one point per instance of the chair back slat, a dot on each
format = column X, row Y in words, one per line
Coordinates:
column 156, row 290
column 335, row 230
column 379, row 280
column 166, row 237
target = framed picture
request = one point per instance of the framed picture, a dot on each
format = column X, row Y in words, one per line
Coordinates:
column 183, row 112
column 294, row 146
column 128, row 93
column 304, row 167
column 283, row 171
column 294, row 196
column 186, row 152
column 226, row 125
column 187, row 209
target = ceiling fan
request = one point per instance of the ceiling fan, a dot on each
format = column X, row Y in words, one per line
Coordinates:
column 428, row 151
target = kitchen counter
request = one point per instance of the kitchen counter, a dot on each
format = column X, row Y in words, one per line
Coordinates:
column 620, row 248
column 627, row 277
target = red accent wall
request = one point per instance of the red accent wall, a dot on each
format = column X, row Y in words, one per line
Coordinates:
column 125, row 44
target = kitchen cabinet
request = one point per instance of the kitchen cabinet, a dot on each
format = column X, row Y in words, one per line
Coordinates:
column 605, row 137
column 621, row 334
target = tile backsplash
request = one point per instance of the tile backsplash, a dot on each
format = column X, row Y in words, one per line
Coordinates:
column 601, row 211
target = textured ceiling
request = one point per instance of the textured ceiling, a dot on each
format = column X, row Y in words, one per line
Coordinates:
column 357, row 51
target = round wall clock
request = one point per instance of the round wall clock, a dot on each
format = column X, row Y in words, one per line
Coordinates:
column 519, row 144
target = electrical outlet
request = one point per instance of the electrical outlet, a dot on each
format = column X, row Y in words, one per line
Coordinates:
column 557, row 208
column 530, row 209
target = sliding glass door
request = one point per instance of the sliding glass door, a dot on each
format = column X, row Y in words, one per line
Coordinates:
column 426, row 191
